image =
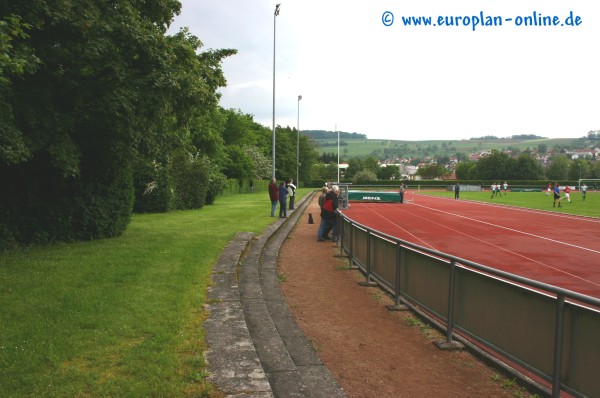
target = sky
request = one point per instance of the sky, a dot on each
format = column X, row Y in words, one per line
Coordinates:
column 360, row 68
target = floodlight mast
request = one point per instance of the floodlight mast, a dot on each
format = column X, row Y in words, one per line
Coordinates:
column 275, row 14
column 298, row 145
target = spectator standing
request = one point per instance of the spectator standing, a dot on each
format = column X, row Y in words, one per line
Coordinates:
column 291, row 192
column 456, row 191
column 329, row 215
column 283, row 192
column 273, row 195
column 324, row 191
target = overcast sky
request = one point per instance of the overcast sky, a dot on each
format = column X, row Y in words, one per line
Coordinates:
column 408, row 83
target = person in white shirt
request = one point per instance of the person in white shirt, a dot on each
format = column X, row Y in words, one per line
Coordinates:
column 291, row 193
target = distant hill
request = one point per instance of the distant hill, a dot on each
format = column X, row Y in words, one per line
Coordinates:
column 323, row 135
column 387, row 149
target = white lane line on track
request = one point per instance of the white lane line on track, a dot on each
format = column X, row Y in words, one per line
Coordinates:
column 501, row 248
column 403, row 229
column 478, row 239
column 512, row 230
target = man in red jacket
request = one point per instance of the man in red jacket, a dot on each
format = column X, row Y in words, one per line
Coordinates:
column 273, row 195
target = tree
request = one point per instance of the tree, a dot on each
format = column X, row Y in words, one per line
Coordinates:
column 431, row 171
column 389, row 172
column 466, row 171
column 364, row 177
column 103, row 85
column 528, row 168
column 579, row 168
column 495, row 166
column 355, row 165
column 16, row 61
column 559, row 168
column 371, row 164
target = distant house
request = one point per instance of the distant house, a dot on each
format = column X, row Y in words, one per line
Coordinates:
column 343, row 167
column 584, row 153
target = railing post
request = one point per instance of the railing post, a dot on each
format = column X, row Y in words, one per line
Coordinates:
column 398, row 254
column 449, row 343
column 450, row 328
column 558, row 345
column 398, row 306
column 369, row 256
column 351, row 253
column 368, row 281
column 340, row 228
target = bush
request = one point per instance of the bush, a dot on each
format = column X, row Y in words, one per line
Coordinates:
column 364, row 176
column 41, row 205
column 153, row 191
column 190, row 180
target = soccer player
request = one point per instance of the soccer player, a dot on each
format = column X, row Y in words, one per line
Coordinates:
column 567, row 192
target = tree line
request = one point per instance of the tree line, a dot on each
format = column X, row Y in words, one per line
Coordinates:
column 103, row 113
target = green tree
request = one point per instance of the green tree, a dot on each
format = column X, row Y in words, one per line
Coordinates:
column 495, row 166
column 579, row 168
column 559, row 168
column 528, row 168
column 103, row 86
column 389, row 172
column 431, row 171
column 466, row 170
column 371, row 164
column 364, row 177
column 595, row 170
column 355, row 165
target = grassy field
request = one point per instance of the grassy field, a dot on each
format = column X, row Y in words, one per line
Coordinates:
column 118, row 317
column 533, row 200
column 365, row 147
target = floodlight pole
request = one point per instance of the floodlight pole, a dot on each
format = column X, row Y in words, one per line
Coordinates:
column 274, row 31
column 338, row 145
column 298, row 145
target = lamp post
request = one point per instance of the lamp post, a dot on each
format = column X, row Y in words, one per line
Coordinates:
column 338, row 146
column 298, row 145
column 274, row 30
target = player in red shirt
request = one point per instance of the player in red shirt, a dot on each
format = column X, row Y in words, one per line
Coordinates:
column 567, row 192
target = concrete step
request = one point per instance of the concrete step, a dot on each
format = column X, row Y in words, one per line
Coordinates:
column 256, row 348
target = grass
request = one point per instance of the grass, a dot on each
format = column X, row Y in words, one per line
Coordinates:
column 350, row 148
column 122, row 316
column 424, row 328
column 533, row 200
column 512, row 386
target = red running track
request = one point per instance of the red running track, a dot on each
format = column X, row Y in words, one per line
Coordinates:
column 558, row 249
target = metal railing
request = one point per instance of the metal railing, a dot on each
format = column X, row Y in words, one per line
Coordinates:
column 551, row 332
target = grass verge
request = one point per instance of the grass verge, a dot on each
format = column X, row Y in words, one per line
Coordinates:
column 122, row 316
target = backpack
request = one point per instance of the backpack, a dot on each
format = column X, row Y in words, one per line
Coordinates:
column 328, row 205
